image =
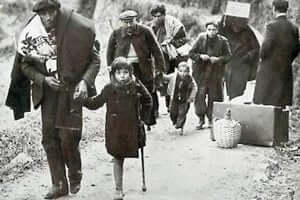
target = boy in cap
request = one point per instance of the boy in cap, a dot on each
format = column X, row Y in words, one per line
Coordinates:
column 274, row 80
column 62, row 72
column 138, row 44
column 182, row 90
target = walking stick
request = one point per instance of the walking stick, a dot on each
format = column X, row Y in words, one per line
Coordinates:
column 144, row 189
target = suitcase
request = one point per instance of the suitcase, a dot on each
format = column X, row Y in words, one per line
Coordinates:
column 261, row 125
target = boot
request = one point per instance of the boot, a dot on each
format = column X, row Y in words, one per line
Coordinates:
column 74, row 187
column 201, row 122
column 181, row 132
column 57, row 191
column 118, row 195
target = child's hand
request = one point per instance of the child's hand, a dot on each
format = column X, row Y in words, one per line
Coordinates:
column 81, row 92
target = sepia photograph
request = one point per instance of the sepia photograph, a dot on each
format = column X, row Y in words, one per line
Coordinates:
column 149, row 100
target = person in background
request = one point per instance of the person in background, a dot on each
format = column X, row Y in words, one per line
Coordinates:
column 138, row 44
column 244, row 46
column 210, row 53
column 182, row 89
column 171, row 34
column 62, row 73
column 274, row 80
column 124, row 97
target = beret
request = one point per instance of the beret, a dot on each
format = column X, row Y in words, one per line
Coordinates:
column 280, row 3
column 45, row 4
column 128, row 14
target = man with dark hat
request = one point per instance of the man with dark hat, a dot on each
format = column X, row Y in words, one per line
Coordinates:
column 138, row 44
column 58, row 53
column 274, row 80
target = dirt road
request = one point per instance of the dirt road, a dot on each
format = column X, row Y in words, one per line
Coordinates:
column 177, row 167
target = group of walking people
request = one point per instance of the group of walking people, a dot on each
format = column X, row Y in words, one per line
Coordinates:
column 57, row 59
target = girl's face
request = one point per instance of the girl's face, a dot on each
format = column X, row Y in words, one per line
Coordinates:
column 183, row 71
column 122, row 76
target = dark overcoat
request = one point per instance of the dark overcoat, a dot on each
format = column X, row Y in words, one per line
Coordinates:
column 206, row 74
column 77, row 60
column 274, row 81
column 145, row 45
column 122, row 116
column 243, row 63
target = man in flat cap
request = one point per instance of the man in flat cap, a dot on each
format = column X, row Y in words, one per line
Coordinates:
column 274, row 80
column 138, row 44
column 58, row 53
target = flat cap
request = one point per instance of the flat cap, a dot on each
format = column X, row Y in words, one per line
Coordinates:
column 45, row 4
column 280, row 3
column 128, row 15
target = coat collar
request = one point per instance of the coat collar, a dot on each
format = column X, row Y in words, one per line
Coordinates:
column 63, row 18
column 281, row 16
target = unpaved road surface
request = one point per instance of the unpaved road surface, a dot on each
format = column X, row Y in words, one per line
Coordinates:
column 177, row 167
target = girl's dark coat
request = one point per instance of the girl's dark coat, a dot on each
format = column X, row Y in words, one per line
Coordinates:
column 122, row 121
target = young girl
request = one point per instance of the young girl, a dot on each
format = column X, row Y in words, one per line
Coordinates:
column 182, row 90
column 124, row 97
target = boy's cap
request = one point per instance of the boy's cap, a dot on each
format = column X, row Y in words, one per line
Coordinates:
column 280, row 3
column 128, row 15
column 45, row 4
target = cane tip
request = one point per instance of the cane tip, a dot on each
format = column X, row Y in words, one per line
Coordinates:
column 144, row 189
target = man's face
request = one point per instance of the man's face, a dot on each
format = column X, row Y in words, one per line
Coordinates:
column 129, row 24
column 211, row 31
column 158, row 19
column 48, row 17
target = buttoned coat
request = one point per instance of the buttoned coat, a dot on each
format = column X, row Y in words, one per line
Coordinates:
column 274, row 81
column 122, row 116
column 145, row 45
column 171, row 79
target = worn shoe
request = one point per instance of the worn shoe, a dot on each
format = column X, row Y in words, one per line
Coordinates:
column 181, row 132
column 118, row 195
column 200, row 126
column 56, row 192
column 74, row 187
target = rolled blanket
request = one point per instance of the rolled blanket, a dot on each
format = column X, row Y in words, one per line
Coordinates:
column 34, row 42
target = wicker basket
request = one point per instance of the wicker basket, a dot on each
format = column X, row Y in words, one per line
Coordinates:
column 227, row 132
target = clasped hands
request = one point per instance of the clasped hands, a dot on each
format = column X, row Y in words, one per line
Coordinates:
column 212, row 59
column 80, row 92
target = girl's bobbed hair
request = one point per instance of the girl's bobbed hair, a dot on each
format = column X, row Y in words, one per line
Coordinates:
column 121, row 63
